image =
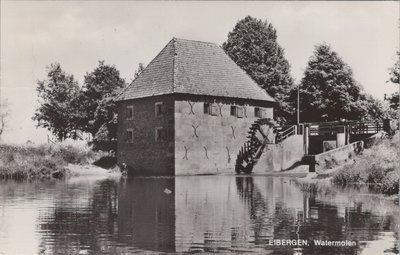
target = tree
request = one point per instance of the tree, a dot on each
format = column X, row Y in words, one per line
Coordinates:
column 100, row 86
column 372, row 109
column 328, row 90
column 253, row 46
column 395, row 70
column 56, row 96
column 140, row 69
column 4, row 114
column 395, row 78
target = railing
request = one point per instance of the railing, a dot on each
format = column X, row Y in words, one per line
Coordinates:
column 326, row 129
column 369, row 127
column 285, row 132
column 332, row 128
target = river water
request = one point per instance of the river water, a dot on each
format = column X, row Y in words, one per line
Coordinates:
column 206, row 214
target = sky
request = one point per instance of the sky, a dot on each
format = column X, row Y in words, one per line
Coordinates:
column 78, row 34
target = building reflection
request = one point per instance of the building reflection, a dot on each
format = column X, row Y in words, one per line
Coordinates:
column 146, row 214
column 206, row 214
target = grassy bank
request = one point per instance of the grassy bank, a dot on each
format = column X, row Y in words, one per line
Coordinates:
column 377, row 166
column 44, row 161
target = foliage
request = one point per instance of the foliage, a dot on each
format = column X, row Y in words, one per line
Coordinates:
column 328, row 90
column 394, row 78
column 394, row 100
column 57, row 111
column 253, row 46
column 43, row 161
column 140, row 69
column 100, row 86
column 378, row 166
column 4, row 114
column 395, row 70
column 372, row 109
column 106, row 137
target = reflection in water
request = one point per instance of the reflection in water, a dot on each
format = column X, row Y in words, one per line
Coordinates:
column 80, row 221
column 146, row 214
column 190, row 214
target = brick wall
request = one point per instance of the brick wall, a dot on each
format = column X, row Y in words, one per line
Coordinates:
column 144, row 154
column 208, row 144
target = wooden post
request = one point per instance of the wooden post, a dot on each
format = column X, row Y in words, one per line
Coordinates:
column 306, row 138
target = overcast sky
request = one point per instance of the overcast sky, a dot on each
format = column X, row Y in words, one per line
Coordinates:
column 79, row 33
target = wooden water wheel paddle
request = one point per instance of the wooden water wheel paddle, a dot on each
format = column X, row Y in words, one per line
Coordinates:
column 261, row 134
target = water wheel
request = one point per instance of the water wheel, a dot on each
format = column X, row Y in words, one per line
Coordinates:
column 261, row 134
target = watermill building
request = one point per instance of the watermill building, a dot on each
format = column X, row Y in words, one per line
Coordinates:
column 188, row 112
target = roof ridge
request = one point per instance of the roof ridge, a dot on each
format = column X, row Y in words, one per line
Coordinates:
column 197, row 41
column 194, row 67
column 173, row 64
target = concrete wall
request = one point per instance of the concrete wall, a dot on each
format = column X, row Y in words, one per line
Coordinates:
column 145, row 155
column 278, row 157
column 207, row 144
column 333, row 158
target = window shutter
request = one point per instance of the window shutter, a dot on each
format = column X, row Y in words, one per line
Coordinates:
column 214, row 109
column 240, row 112
column 263, row 113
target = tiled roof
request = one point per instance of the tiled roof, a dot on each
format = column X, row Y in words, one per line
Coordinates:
column 193, row 67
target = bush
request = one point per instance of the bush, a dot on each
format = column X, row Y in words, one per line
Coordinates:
column 378, row 166
column 43, row 161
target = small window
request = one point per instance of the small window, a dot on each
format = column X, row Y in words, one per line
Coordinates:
column 237, row 111
column 160, row 134
column 233, row 110
column 129, row 136
column 129, row 112
column 159, row 109
column 257, row 112
column 211, row 109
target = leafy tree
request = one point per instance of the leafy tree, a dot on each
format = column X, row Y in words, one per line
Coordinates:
column 100, row 86
column 253, row 46
column 140, row 69
column 328, row 90
column 56, row 96
column 372, row 109
column 394, row 100
column 395, row 70
column 4, row 114
column 395, row 78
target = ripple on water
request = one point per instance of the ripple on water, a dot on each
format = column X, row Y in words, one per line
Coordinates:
column 204, row 214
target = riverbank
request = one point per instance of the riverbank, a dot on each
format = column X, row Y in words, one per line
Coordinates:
column 48, row 161
column 376, row 167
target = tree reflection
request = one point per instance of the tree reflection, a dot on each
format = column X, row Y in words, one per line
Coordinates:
column 76, row 222
column 276, row 213
column 205, row 214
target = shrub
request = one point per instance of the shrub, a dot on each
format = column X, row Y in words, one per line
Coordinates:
column 43, row 161
column 378, row 165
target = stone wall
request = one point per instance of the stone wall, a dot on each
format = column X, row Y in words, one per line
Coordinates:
column 144, row 154
column 206, row 143
column 278, row 157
